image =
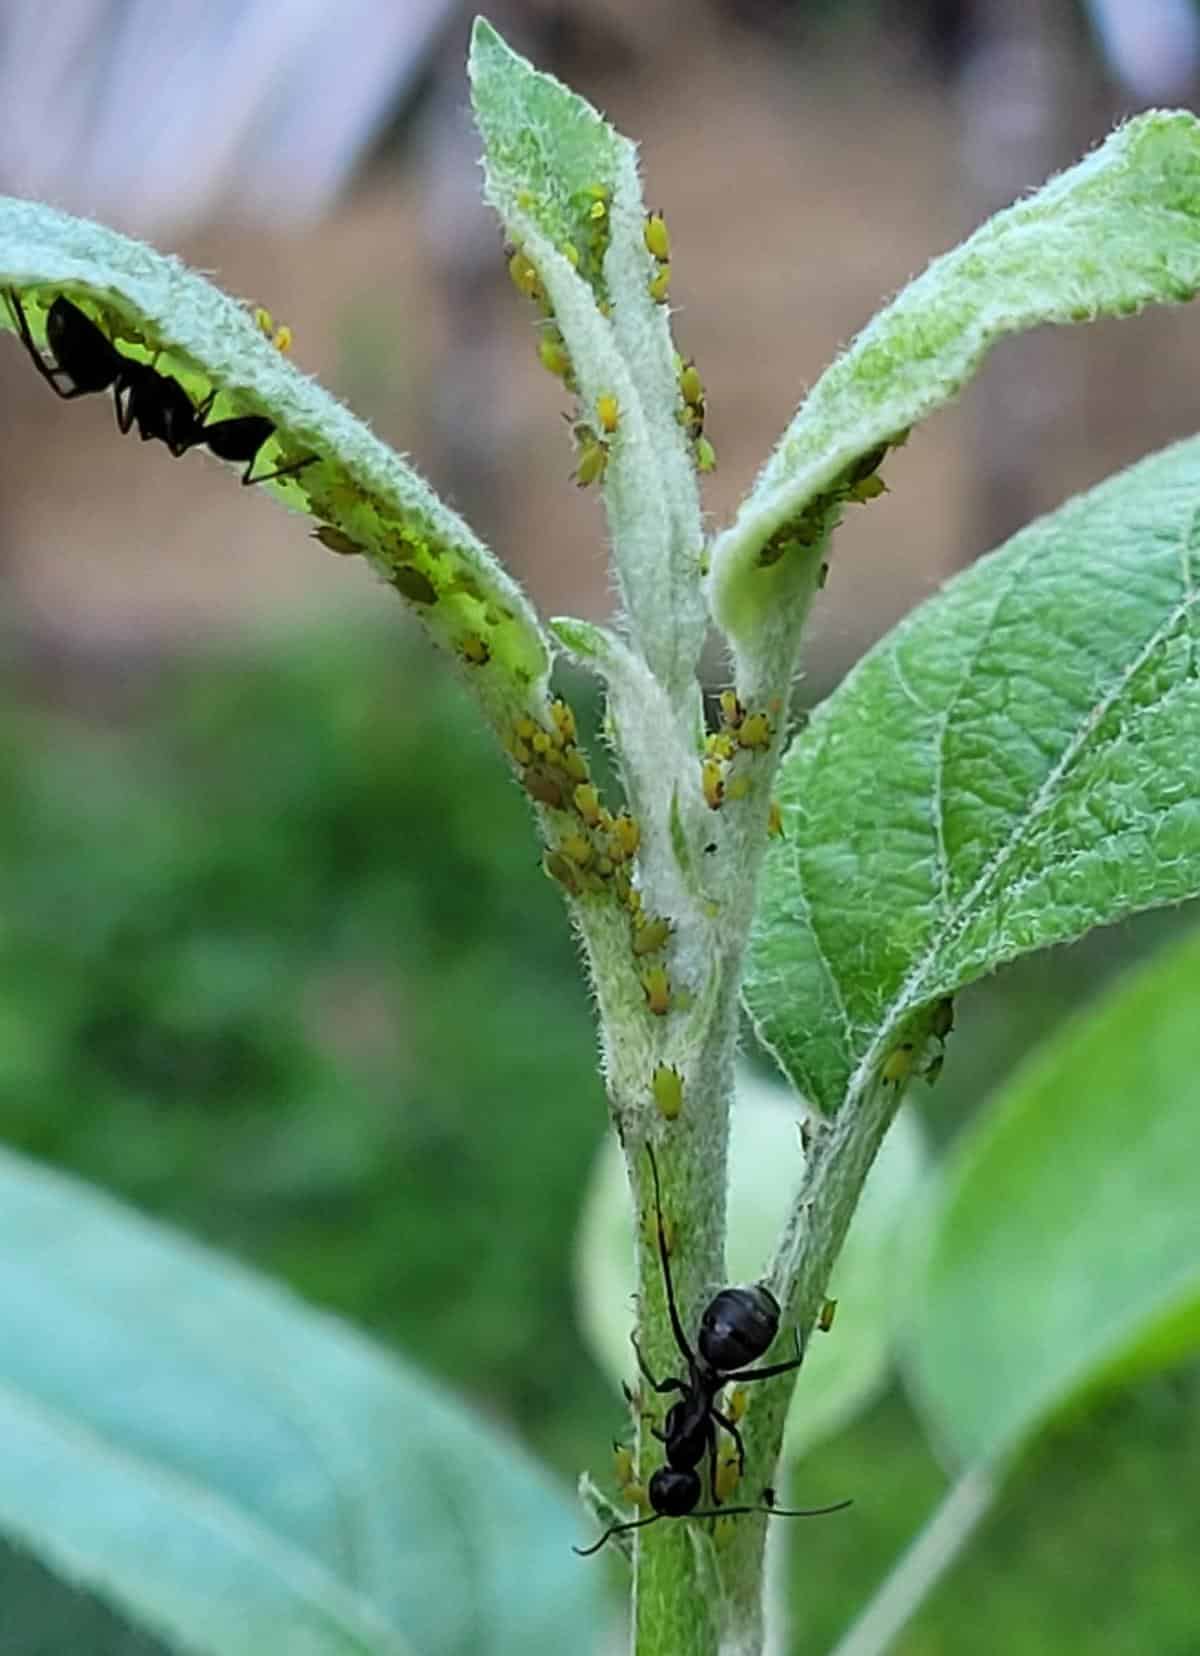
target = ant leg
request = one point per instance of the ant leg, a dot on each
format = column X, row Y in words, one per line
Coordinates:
column 712, row 1464
column 772, row 1369
column 770, row 1511
column 17, row 311
column 280, row 471
column 671, row 1384
column 617, row 1529
column 676, row 1326
column 724, row 1420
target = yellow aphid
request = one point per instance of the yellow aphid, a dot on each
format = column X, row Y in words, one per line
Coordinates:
column 575, row 765
column 521, row 751
column 719, row 745
column 587, row 803
column 732, row 711
column 633, row 899
column 754, row 731
column 598, row 211
column 898, row 1065
column 775, row 820
column 712, row 783
column 419, row 589
column 728, row 1473
column 828, row 1313
column 657, row 237
column 336, row 541
column 264, row 321
column 564, row 719
column 579, row 848
column 627, row 834
column 563, row 870
column 667, row 1086
column 691, row 385
column 650, row 935
column 475, row 651
column 552, row 353
column 706, row 455
column 540, row 742
column 524, row 275
column 870, row 488
column 570, row 253
column 593, row 456
column 736, row 1404
column 608, row 412
column 282, row 340
column 525, row 728
column 660, row 285
column 656, row 986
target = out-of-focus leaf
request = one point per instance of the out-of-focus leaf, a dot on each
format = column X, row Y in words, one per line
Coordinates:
column 843, row 1369
column 240, row 1473
column 1016, row 763
column 1063, row 1252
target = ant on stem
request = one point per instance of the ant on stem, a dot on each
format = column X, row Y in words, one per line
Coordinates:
column 158, row 405
column 736, row 1327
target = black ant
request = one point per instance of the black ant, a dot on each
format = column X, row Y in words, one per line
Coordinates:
column 737, row 1326
column 156, row 403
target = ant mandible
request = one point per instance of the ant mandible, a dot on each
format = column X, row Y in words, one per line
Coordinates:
column 736, row 1327
column 156, row 403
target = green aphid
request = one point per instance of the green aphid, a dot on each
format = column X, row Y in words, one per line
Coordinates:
column 706, row 456
column 651, row 935
column 657, row 237
column 660, row 285
column 554, row 357
column 667, row 1086
column 336, row 541
column 413, row 584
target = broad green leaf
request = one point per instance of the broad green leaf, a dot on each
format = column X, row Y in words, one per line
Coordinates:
column 1063, row 1254
column 240, row 1473
column 1118, row 231
column 551, row 164
column 151, row 306
column 1018, row 762
column 845, row 1368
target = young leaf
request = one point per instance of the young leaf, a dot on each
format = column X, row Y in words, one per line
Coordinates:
column 155, row 309
column 240, row 1473
column 1015, row 764
column 1118, row 231
column 1064, row 1249
column 551, row 162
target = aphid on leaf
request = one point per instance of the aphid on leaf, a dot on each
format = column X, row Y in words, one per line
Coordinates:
column 657, row 237
column 667, row 1086
column 660, row 285
column 898, row 1065
column 754, row 732
column 336, row 541
column 475, row 651
column 419, row 589
column 587, row 803
column 524, row 275
column 706, row 455
column 553, row 355
column 540, row 783
column 732, row 711
column 656, row 986
column 827, row 1314
column 564, row 871
column 712, row 783
column 592, row 453
column 942, row 1019
column 650, row 935
column 627, row 834
column 608, row 412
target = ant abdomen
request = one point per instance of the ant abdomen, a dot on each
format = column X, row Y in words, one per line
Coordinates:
column 673, row 1493
column 737, row 1327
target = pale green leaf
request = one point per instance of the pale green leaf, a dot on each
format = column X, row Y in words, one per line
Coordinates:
column 549, row 158
column 151, row 306
column 1016, row 763
column 240, row 1473
column 1063, row 1255
column 1118, row 231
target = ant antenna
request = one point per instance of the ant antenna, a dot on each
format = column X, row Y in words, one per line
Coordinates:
column 681, row 1339
column 713, row 1512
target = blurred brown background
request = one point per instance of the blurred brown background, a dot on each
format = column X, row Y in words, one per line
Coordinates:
column 810, row 159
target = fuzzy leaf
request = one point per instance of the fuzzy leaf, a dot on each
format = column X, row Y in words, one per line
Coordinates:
column 1064, row 1252
column 239, row 1473
column 550, row 161
column 1118, row 231
column 1016, row 763
column 150, row 305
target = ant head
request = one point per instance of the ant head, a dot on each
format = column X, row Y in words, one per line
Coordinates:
column 737, row 1327
column 672, row 1493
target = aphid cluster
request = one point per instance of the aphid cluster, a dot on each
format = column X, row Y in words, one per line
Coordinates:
column 736, row 1328
column 658, row 244
column 691, row 415
column 901, row 1062
column 858, row 484
column 741, row 733
column 85, row 361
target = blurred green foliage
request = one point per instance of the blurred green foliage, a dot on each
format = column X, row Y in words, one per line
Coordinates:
column 278, row 963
